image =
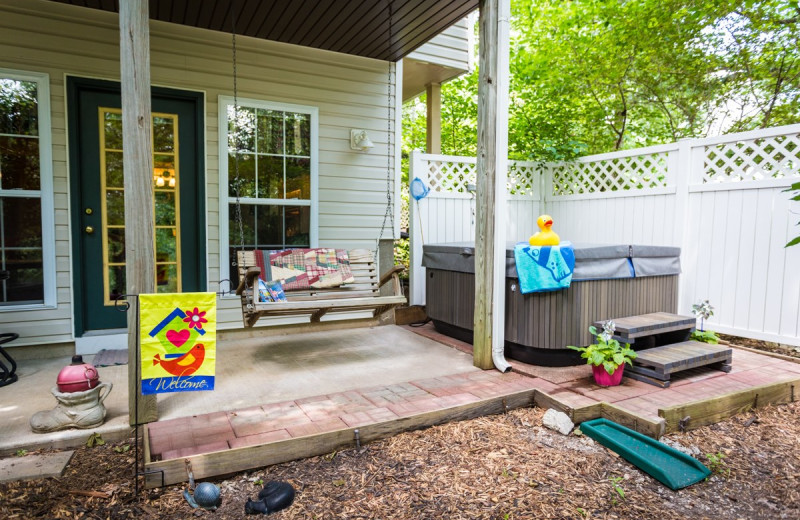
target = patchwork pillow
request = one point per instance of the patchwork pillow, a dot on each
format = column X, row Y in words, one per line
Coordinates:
column 303, row 269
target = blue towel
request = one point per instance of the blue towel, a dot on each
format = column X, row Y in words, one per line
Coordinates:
column 544, row 268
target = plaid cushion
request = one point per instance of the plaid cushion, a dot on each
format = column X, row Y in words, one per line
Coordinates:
column 302, row 269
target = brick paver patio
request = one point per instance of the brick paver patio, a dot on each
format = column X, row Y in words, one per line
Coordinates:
column 570, row 386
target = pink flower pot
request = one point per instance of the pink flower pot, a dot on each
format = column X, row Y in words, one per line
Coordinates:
column 603, row 378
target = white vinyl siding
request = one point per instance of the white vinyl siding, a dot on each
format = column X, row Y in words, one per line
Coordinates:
column 451, row 48
column 349, row 92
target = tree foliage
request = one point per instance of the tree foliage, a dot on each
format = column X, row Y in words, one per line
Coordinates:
column 592, row 76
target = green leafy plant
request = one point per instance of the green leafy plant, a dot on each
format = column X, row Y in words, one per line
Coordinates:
column 21, row 452
column 704, row 310
column 94, row 440
column 705, row 336
column 125, row 448
column 615, row 485
column 717, row 465
column 607, row 351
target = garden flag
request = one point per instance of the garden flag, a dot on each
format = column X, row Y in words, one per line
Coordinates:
column 178, row 336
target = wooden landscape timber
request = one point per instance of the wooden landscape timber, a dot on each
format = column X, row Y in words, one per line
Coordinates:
column 716, row 409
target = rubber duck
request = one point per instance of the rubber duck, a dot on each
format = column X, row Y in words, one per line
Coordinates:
column 545, row 237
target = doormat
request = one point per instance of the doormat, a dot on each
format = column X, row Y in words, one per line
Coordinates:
column 107, row 358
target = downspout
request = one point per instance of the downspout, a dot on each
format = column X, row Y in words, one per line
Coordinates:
column 499, row 297
column 499, row 359
column 501, row 192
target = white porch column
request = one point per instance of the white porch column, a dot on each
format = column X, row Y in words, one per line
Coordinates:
column 134, row 35
column 489, row 326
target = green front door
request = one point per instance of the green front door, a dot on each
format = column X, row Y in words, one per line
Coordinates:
column 98, row 194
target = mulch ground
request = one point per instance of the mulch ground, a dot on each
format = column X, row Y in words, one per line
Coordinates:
column 500, row 467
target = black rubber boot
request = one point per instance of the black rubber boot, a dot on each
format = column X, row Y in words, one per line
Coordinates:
column 275, row 496
column 255, row 507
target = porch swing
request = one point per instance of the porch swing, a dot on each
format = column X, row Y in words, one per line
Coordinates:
column 360, row 294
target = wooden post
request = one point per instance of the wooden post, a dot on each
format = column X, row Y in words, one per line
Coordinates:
column 492, row 160
column 134, row 35
column 433, row 104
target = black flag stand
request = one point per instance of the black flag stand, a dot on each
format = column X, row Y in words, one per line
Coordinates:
column 123, row 305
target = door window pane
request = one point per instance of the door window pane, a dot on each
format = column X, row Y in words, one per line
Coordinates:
column 112, row 129
column 114, row 175
column 163, row 134
column 165, row 204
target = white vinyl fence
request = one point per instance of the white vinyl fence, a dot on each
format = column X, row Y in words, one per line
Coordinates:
column 722, row 200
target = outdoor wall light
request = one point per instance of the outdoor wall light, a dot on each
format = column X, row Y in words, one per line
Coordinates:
column 359, row 140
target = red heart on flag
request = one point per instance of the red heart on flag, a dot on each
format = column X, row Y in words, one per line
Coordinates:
column 178, row 337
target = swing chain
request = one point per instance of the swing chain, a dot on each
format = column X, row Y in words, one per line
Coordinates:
column 390, row 98
column 236, row 143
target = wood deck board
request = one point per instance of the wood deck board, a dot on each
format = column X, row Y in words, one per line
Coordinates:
column 656, row 365
column 632, row 327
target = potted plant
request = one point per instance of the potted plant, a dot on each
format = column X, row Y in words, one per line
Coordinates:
column 607, row 357
column 704, row 310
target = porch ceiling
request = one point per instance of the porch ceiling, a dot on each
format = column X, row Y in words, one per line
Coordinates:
column 353, row 27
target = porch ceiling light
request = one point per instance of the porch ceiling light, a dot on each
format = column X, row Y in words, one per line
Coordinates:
column 359, row 140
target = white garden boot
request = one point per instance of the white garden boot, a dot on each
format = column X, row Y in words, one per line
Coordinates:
column 74, row 410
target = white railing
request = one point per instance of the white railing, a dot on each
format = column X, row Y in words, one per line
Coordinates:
column 721, row 199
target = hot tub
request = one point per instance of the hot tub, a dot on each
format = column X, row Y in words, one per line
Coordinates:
column 608, row 281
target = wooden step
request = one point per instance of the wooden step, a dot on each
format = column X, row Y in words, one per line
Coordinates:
column 629, row 328
column 656, row 365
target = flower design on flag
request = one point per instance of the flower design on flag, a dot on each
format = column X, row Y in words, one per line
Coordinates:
column 195, row 318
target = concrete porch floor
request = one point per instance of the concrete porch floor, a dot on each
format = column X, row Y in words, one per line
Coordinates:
column 252, row 371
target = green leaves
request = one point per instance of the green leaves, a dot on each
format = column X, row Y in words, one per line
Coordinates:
column 592, row 77
column 608, row 354
column 95, row 439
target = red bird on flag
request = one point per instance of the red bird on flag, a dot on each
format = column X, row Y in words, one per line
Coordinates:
column 185, row 365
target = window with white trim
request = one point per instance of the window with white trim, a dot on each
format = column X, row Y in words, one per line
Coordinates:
column 269, row 163
column 27, row 261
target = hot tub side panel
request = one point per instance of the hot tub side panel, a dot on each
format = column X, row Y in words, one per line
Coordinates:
column 551, row 320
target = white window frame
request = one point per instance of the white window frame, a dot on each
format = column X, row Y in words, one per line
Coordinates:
column 45, row 191
column 224, row 175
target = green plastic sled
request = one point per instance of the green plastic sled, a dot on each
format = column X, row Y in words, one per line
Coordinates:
column 669, row 466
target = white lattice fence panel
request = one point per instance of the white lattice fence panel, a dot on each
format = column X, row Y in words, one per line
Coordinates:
column 635, row 172
column 523, row 178
column 459, row 177
column 757, row 159
column 451, row 176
